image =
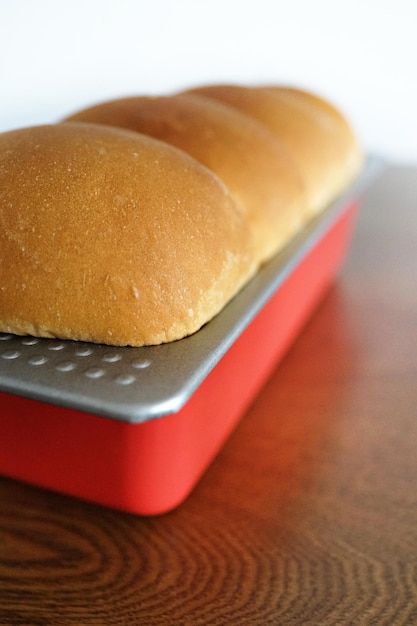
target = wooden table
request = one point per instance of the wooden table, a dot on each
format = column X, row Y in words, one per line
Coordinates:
column 309, row 514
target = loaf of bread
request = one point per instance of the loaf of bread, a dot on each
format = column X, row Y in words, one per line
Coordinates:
column 315, row 133
column 254, row 164
column 112, row 237
column 135, row 221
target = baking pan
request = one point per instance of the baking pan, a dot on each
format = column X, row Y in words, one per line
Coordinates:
column 134, row 428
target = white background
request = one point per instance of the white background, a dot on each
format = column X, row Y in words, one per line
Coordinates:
column 56, row 57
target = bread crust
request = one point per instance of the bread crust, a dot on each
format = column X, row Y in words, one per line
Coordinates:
column 315, row 133
column 254, row 164
column 136, row 221
column 112, row 237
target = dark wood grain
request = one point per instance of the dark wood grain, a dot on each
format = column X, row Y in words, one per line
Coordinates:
column 309, row 514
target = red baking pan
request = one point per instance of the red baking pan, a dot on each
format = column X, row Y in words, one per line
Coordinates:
column 135, row 428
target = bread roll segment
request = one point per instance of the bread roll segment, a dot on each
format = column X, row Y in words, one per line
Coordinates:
column 315, row 133
column 254, row 165
column 112, row 237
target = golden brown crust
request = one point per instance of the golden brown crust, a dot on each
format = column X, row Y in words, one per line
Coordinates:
column 112, row 237
column 247, row 157
column 315, row 133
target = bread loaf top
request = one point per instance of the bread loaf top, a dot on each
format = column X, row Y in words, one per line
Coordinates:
column 134, row 222
column 112, row 237
column 254, row 164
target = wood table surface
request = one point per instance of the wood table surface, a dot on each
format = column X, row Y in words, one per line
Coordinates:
column 309, row 513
